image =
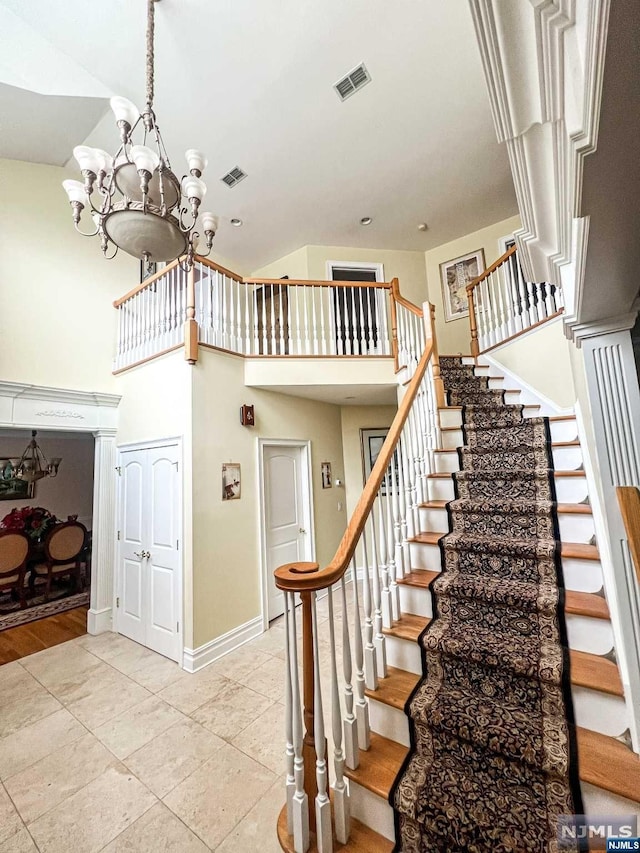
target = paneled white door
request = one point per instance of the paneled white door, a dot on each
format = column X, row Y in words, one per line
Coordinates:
column 150, row 576
column 286, row 513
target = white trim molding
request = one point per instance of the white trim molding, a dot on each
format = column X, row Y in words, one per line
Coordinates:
column 544, row 69
column 377, row 268
column 195, row 659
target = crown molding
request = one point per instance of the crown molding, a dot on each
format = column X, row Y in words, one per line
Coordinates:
column 40, row 407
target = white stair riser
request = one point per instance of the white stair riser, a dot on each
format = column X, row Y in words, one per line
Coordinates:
column 446, row 463
column 403, row 654
column 582, row 575
column 597, row 801
column 564, row 459
column 450, row 417
column 587, row 634
column 569, row 490
column 599, row 711
column 425, row 557
column 469, row 359
column 372, row 810
column 560, row 431
column 389, row 722
column 416, row 600
column 573, row 527
column 512, row 398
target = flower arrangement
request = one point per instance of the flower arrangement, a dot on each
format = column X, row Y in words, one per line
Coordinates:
column 35, row 521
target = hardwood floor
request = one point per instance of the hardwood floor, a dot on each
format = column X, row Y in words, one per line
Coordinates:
column 26, row 639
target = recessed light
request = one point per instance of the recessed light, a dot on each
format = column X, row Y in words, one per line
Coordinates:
column 422, row 226
column 236, row 222
column 366, row 220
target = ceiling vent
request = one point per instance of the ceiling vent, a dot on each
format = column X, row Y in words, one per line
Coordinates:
column 233, row 177
column 354, row 80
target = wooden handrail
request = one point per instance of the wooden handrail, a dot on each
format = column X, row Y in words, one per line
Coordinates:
column 494, row 266
column 144, row 284
column 304, row 282
column 629, row 502
column 308, row 578
column 207, row 262
column 410, row 306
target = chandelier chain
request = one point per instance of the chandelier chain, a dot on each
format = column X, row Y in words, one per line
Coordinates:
column 150, row 58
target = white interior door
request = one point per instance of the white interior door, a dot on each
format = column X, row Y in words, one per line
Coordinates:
column 286, row 513
column 148, row 608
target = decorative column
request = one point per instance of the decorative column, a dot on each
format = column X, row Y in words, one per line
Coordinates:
column 104, row 532
column 614, row 399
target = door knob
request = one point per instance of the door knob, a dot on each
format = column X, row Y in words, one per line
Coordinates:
column 302, row 530
column 141, row 554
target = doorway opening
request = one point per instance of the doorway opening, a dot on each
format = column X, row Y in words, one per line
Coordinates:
column 354, row 309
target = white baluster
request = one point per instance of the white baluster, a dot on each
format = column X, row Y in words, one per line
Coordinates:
column 402, row 508
column 370, row 667
column 341, row 804
column 362, row 706
column 281, row 350
column 289, row 291
column 385, row 596
column 350, row 725
column 379, row 641
column 361, row 324
column 372, row 318
column 339, row 322
column 352, row 348
column 382, row 323
column 391, row 547
column 323, row 335
column 290, row 754
column 256, row 339
column 305, row 311
column 397, row 528
column 300, row 802
column 314, row 322
column 324, row 840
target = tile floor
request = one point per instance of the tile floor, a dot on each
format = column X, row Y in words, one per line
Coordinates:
column 105, row 745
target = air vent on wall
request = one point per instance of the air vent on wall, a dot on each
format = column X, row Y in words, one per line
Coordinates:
column 354, row 80
column 233, row 177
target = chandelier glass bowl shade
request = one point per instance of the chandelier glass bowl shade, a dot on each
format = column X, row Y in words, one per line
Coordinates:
column 136, row 201
column 33, row 464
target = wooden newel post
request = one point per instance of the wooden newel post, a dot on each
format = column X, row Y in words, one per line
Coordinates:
column 475, row 346
column 435, row 360
column 190, row 324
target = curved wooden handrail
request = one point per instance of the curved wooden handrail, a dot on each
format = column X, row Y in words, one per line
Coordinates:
column 629, row 502
column 305, row 577
column 395, row 290
column 494, row 266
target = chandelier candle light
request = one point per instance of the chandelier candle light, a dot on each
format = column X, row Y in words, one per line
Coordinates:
column 141, row 207
column 34, row 465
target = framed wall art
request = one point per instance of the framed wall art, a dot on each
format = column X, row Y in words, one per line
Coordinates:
column 371, row 441
column 327, row 482
column 230, row 481
column 455, row 275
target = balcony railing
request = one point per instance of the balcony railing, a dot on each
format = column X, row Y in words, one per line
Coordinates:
column 258, row 317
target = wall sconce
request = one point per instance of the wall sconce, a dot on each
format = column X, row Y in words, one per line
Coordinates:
column 247, row 417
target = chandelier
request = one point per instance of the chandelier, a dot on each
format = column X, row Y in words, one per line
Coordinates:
column 136, row 201
column 33, row 464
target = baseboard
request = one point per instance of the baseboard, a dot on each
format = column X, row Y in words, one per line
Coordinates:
column 99, row 621
column 195, row 659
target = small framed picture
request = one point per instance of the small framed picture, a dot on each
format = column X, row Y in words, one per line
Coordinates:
column 327, row 482
column 231, row 481
column 371, row 441
column 455, row 275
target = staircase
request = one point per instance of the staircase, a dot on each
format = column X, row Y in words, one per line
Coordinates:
column 400, row 542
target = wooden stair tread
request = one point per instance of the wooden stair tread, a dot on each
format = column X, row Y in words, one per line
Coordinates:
column 449, row 408
column 408, row 627
column 427, row 537
column 362, row 839
column 578, row 473
column 451, row 429
column 573, row 443
column 395, row 689
column 418, row 577
column 579, row 551
column 379, row 765
column 574, row 509
column 595, row 672
column 562, row 417
column 586, row 604
column 608, row 764
column 434, row 504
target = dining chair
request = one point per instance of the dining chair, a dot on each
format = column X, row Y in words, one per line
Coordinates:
column 14, row 550
column 62, row 551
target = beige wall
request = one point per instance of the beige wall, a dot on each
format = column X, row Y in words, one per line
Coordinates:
column 226, row 543
column 542, row 359
column 54, row 285
column 71, row 492
column 353, row 419
column 294, row 265
column 453, row 337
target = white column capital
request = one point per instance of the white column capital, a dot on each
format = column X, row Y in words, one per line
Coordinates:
column 601, row 328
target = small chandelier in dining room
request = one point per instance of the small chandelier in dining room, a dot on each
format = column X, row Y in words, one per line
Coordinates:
column 136, row 202
column 33, row 464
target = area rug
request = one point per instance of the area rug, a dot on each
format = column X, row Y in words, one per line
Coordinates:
column 493, row 762
column 61, row 599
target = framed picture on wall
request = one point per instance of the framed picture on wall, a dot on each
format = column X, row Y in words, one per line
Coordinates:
column 455, row 275
column 12, row 489
column 371, row 441
column 231, row 481
column 327, row 482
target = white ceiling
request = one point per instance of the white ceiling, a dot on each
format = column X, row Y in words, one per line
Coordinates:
column 251, row 83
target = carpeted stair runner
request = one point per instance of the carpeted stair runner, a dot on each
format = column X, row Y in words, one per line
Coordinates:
column 492, row 762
